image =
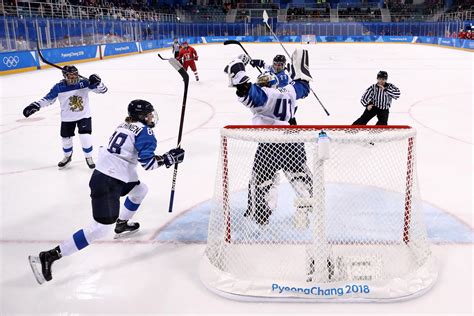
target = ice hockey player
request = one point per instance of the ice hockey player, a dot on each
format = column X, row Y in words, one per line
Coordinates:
column 272, row 106
column 187, row 56
column 281, row 71
column 73, row 95
column 175, row 47
column 133, row 141
column 278, row 68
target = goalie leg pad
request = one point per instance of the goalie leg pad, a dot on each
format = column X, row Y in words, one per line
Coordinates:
column 300, row 65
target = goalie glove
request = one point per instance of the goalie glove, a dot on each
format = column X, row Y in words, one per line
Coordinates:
column 236, row 73
column 244, row 58
column 31, row 109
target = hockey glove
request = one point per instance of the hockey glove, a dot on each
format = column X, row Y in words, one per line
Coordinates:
column 196, row 58
column 31, row 109
column 174, row 156
column 244, row 58
column 236, row 73
column 257, row 63
column 94, row 81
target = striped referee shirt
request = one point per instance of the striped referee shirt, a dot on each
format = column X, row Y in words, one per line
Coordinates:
column 381, row 99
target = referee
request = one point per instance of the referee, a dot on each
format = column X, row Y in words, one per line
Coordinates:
column 377, row 100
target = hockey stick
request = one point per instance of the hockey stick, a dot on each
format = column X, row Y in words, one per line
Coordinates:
column 177, row 65
column 162, row 58
column 265, row 20
column 44, row 60
column 228, row 42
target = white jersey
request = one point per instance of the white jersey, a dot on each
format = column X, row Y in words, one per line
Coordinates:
column 130, row 143
column 73, row 99
column 271, row 106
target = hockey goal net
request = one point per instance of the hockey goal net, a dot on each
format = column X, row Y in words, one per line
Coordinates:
column 303, row 215
column 308, row 39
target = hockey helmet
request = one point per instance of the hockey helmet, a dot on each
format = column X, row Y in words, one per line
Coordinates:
column 279, row 63
column 185, row 43
column 71, row 74
column 267, row 79
column 138, row 111
column 382, row 75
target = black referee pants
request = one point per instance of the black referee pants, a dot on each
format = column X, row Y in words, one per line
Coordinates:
column 382, row 116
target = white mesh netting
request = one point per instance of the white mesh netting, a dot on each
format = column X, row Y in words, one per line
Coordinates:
column 292, row 219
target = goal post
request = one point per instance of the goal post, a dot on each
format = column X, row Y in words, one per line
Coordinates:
column 317, row 213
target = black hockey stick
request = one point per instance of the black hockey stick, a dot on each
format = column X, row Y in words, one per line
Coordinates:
column 44, row 60
column 162, row 58
column 229, row 42
column 177, row 65
column 265, row 20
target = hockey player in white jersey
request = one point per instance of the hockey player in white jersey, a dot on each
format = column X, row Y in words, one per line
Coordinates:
column 272, row 106
column 73, row 95
column 278, row 67
column 132, row 142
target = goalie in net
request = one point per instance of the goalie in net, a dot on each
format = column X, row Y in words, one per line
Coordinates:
column 272, row 106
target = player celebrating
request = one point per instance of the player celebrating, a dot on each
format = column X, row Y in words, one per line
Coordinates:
column 271, row 106
column 277, row 68
column 175, row 47
column 187, row 56
column 73, row 95
column 133, row 141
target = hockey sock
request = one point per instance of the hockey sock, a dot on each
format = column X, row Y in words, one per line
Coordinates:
column 83, row 237
column 67, row 146
column 133, row 201
column 86, row 141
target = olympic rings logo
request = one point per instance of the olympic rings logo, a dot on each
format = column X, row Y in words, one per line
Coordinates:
column 11, row 61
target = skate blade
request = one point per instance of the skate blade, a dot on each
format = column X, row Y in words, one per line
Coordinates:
column 125, row 234
column 33, row 264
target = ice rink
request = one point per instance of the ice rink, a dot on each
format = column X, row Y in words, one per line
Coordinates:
column 156, row 270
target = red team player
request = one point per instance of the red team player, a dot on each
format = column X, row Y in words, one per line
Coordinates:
column 187, row 55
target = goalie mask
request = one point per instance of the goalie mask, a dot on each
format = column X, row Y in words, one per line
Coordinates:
column 140, row 110
column 267, row 79
column 71, row 74
column 279, row 63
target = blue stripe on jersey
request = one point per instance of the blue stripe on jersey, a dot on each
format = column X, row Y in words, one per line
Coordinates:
column 62, row 86
column 87, row 150
column 80, row 239
column 301, row 88
column 67, row 150
column 256, row 97
column 129, row 205
column 145, row 144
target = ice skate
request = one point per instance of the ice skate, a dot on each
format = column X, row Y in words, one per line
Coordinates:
column 46, row 260
column 90, row 162
column 66, row 160
column 262, row 214
column 125, row 228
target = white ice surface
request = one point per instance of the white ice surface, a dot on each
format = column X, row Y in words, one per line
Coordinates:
column 41, row 205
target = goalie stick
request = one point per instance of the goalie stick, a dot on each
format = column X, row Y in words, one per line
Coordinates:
column 229, row 42
column 265, row 20
column 44, row 60
column 177, row 65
